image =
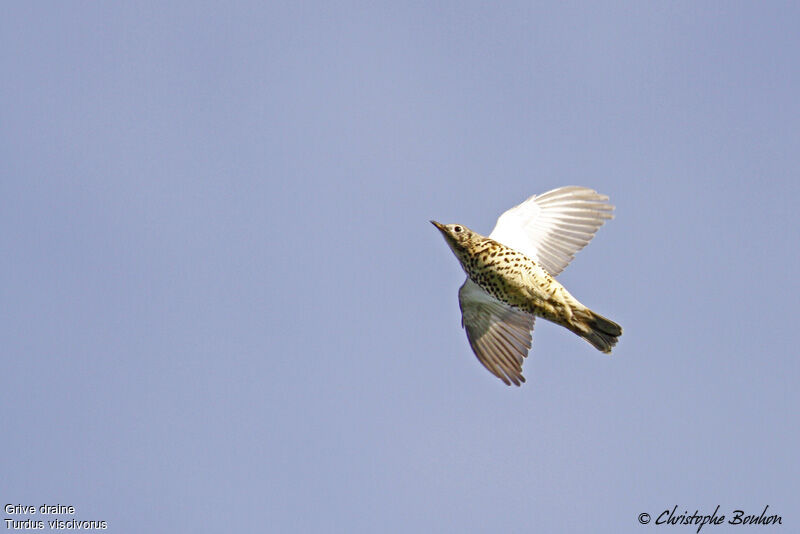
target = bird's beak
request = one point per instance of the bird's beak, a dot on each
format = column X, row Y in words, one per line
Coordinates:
column 439, row 226
column 448, row 237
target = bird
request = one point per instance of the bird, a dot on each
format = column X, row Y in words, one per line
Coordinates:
column 511, row 277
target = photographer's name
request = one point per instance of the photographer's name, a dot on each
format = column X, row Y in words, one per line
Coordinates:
column 738, row 517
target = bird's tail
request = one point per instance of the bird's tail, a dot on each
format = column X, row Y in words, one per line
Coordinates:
column 602, row 333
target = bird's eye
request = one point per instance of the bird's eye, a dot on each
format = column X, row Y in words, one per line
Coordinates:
column 457, row 229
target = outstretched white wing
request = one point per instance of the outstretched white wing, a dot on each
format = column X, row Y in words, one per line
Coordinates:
column 552, row 227
column 499, row 335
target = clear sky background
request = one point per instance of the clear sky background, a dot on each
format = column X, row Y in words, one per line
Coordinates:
column 223, row 309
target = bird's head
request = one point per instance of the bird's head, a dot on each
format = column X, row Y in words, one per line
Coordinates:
column 458, row 236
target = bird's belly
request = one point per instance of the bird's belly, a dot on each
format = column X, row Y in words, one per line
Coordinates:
column 524, row 289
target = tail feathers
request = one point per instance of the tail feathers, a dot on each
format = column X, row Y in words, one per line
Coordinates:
column 600, row 332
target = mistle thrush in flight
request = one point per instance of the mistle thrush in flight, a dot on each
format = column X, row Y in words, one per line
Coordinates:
column 510, row 277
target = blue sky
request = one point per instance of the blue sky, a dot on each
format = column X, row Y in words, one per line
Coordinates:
column 224, row 309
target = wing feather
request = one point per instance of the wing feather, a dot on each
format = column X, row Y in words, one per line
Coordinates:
column 552, row 227
column 499, row 335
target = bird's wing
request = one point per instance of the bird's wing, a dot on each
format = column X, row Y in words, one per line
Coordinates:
column 499, row 335
column 552, row 227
